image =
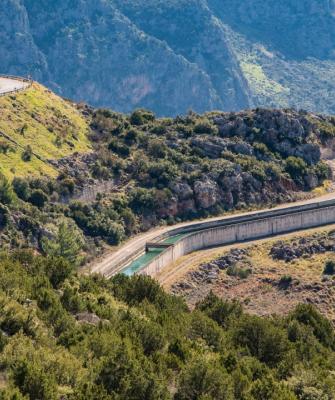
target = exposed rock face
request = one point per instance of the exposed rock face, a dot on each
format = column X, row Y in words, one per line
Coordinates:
column 173, row 56
column 88, row 318
column 206, row 193
column 107, row 60
column 18, row 51
column 282, row 131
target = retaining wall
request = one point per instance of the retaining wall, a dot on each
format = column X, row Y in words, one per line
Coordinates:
column 295, row 219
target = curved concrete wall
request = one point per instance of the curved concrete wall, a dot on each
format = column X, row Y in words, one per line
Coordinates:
column 268, row 225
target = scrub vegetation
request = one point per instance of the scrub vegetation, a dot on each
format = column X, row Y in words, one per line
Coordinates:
column 76, row 337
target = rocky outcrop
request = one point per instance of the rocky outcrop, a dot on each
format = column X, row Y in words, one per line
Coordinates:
column 283, row 131
column 304, row 247
column 207, row 193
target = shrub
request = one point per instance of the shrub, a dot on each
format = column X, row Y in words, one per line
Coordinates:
column 38, row 198
column 329, row 268
column 118, row 147
column 285, row 281
column 131, row 137
column 21, row 188
column 202, row 379
column 141, row 117
column 205, row 127
column 263, row 339
column 6, row 191
column 142, row 200
column 241, row 273
column 159, row 130
column 33, row 381
column 157, row 148
column 24, row 129
column 296, row 167
column 27, row 154
column 5, row 147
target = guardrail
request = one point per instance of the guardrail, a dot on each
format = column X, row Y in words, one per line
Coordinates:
column 16, row 78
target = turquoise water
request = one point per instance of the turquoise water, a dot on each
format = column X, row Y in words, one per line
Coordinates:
column 143, row 260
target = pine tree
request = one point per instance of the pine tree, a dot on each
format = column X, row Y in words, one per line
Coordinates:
column 67, row 244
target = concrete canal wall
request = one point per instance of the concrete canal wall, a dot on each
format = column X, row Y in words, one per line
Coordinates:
column 239, row 230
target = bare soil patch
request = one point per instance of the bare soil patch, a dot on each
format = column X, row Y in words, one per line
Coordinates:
column 251, row 274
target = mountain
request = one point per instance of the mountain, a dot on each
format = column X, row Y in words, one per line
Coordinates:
column 172, row 56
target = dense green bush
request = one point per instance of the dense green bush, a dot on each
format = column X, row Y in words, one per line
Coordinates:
column 22, row 188
column 145, row 344
column 296, row 167
column 140, row 117
column 6, row 191
column 38, row 198
column 329, row 267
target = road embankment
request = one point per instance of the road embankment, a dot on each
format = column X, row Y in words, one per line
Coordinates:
column 243, row 228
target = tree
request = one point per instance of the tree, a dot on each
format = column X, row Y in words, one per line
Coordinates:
column 308, row 315
column 58, row 269
column 35, row 382
column 67, row 244
column 219, row 310
column 267, row 388
column 262, row 338
column 204, row 380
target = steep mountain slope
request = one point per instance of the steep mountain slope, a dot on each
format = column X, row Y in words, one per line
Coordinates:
column 19, row 53
column 190, row 29
column 296, row 29
column 175, row 55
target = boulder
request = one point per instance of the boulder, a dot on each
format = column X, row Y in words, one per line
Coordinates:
column 207, row 193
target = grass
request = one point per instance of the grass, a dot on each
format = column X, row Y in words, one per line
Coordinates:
column 261, row 84
column 50, row 125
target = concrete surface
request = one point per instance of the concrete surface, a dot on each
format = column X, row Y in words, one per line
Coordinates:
column 116, row 260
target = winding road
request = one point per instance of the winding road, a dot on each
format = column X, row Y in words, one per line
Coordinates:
column 112, row 263
column 10, row 85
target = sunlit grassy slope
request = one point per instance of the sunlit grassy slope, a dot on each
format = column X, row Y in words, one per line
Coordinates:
column 52, row 127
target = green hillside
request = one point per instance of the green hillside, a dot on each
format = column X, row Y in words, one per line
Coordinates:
column 49, row 125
